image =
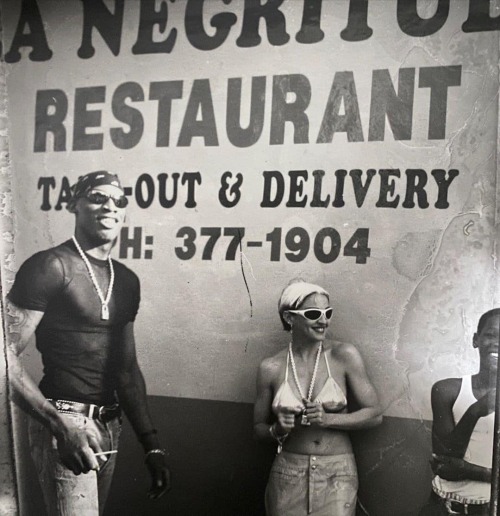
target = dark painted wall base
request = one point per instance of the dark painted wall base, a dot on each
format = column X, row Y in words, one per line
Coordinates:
column 217, row 468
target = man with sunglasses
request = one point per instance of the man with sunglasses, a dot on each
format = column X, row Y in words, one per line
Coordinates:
column 81, row 305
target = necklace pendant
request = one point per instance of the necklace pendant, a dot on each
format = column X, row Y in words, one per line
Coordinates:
column 304, row 421
column 105, row 313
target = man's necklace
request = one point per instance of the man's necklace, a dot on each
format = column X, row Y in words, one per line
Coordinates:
column 313, row 379
column 104, row 300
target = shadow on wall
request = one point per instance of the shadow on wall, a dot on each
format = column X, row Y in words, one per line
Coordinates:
column 218, row 470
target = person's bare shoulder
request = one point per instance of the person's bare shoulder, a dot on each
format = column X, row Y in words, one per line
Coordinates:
column 446, row 389
column 342, row 351
column 271, row 366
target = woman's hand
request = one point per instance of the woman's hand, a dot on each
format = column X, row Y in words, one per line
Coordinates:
column 286, row 421
column 315, row 413
column 485, row 405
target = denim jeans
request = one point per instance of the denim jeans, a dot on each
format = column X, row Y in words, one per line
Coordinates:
column 65, row 493
column 312, row 484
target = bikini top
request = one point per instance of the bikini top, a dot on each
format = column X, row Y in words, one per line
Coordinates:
column 331, row 393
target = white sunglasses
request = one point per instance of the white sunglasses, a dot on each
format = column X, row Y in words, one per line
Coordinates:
column 313, row 314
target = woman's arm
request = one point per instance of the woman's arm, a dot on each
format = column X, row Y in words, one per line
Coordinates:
column 264, row 428
column 262, row 406
column 369, row 413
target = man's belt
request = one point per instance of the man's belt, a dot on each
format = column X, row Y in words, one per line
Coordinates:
column 103, row 413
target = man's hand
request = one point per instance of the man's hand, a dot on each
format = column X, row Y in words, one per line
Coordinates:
column 448, row 468
column 76, row 449
column 453, row 468
column 160, row 475
column 486, row 405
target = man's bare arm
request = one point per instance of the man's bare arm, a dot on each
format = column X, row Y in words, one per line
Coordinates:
column 75, row 450
column 452, row 468
column 450, row 441
column 21, row 326
column 448, row 438
column 132, row 396
column 132, row 389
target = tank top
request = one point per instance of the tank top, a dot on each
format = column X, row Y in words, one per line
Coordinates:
column 331, row 393
column 479, row 451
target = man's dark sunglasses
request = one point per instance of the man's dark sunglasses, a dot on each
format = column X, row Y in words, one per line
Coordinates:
column 95, row 197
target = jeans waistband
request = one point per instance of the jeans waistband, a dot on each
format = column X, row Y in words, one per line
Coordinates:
column 300, row 458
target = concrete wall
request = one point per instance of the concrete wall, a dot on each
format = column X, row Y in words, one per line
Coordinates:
column 410, row 308
column 8, row 481
column 207, row 321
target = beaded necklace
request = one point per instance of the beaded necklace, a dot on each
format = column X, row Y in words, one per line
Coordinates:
column 104, row 300
column 313, row 379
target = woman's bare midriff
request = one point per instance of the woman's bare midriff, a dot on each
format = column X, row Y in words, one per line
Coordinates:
column 310, row 440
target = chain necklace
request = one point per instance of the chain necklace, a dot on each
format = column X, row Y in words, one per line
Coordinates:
column 104, row 300
column 313, row 379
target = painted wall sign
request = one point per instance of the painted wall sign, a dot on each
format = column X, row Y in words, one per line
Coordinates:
column 351, row 143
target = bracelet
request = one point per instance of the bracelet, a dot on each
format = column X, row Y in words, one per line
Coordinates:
column 155, row 450
column 280, row 438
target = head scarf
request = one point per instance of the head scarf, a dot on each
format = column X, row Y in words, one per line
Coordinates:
column 92, row 180
column 295, row 293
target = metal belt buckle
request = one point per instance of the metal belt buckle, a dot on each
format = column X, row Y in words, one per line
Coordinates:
column 447, row 504
column 101, row 414
column 63, row 405
column 91, row 411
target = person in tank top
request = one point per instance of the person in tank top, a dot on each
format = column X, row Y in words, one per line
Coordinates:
column 462, row 432
column 302, row 406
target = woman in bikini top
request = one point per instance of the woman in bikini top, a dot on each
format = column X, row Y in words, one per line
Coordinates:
column 302, row 392
column 331, row 394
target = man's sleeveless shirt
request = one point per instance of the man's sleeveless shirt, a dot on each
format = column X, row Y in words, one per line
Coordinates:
column 479, row 451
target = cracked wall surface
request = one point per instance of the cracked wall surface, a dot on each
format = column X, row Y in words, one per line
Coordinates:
column 8, row 484
column 205, row 325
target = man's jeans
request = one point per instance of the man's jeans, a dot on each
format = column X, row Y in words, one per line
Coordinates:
column 65, row 493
